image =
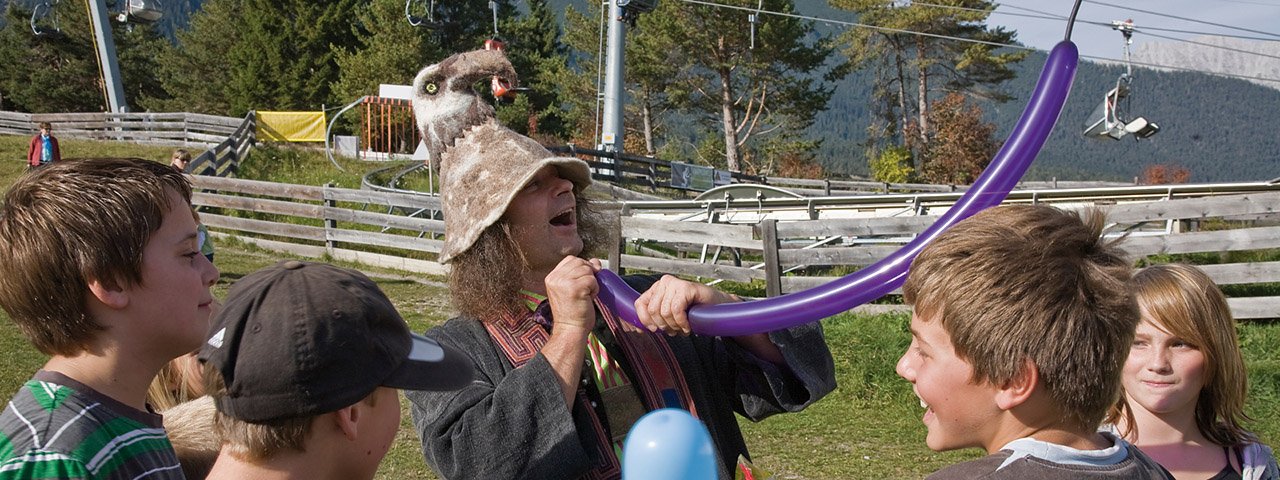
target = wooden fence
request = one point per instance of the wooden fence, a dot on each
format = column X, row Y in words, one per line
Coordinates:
column 388, row 229
column 346, row 224
column 226, row 140
column 777, row 252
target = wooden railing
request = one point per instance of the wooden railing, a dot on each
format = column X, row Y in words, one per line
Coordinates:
column 226, row 140
column 346, row 224
column 378, row 228
column 770, row 249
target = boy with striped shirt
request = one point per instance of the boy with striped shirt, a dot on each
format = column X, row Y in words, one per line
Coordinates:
column 100, row 269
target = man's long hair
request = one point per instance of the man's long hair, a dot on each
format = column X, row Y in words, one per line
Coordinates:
column 485, row 279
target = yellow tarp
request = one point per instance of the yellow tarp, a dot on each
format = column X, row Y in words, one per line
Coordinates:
column 291, row 126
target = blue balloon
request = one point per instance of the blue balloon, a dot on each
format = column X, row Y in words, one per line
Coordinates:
column 872, row 282
column 668, row 444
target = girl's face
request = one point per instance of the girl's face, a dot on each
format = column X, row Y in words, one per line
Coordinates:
column 1164, row 374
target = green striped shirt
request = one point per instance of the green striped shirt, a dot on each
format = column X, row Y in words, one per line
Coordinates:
column 56, row 427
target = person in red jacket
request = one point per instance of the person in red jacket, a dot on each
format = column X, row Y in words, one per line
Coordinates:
column 44, row 148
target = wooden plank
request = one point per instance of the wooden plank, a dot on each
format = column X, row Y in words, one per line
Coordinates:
column 255, row 187
column 724, row 272
column 799, row 283
column 1254, row 307
column 301, row 232
column 864, row 255
column 880, row 309
column 263, row 205
column 217, row 138
column 390, row 261
column 772, row 267
column 385, row 240
column 15, row 116
column 690, row 232
column 424, row 201
column 69, row 117
column 309, row 251
column 198, row 118
column 141, row 125
column 384, row 220
column 858, row 227
column 1216, row 241
column 1188, row 208
column 1243, row 273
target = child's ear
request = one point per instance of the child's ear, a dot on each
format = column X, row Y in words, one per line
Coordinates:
column 1018, row 389
column 109, row 293
column 348, row 419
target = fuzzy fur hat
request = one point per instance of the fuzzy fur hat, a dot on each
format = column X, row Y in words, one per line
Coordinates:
column 482, row 164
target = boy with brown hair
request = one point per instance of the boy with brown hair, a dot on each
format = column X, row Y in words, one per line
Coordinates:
column 1021, row 324
column 303, row 363
column 99, row 268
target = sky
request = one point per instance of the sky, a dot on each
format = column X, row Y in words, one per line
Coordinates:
column 1098, row 41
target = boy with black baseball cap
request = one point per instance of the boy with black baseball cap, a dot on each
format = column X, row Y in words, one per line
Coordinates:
column 303, row 363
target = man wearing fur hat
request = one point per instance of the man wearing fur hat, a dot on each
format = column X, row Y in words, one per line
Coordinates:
column 560, row 379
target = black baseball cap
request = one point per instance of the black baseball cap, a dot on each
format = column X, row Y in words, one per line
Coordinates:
column 299, row 339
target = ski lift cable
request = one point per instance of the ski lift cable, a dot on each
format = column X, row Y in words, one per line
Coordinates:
column 1182, row 69
column 846, row 23
column 856, row 24
column 1272, row 34
column 1203, row 44
column 1247, row 2
column 1047, row 16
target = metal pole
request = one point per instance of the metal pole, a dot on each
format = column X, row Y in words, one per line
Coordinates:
column 611, row 128
column 101, row 19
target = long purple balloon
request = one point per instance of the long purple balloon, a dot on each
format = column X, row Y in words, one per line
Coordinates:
column 874, row 281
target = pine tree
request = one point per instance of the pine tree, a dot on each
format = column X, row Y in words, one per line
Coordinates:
column 910, row 67
column 760, row 97
column 242, row 55
column 59, row 72
column 534, row 48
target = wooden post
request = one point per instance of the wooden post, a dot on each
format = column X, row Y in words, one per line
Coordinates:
column 329, row 223
column 617, row 244
column 772, row 268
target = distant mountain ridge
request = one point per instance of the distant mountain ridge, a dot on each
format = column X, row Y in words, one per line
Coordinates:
column 1219, row 55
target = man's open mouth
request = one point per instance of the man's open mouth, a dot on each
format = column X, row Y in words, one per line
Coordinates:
column 564, row 219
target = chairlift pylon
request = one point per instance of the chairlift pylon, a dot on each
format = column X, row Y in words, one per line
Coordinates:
column 1110, row 119
column 44, row 19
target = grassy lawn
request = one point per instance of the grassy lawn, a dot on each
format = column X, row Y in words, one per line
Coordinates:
column 868, row 428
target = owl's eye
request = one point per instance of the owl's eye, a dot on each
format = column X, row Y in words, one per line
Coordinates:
column 430, row 88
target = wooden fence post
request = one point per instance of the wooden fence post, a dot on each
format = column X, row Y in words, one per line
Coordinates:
column 617, row 243
column 772, row 268
column 330, row 224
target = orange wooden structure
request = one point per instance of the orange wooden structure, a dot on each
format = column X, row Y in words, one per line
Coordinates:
column 389, row 128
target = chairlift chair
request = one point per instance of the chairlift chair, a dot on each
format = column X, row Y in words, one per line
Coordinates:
column 44, row 19
column 1109, row 120
column 140, row 11
column 427, row 22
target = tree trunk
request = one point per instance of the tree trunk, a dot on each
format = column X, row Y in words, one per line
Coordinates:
column 645, row 113
column 922, row 67
column 726, row 117
column 898, row 54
